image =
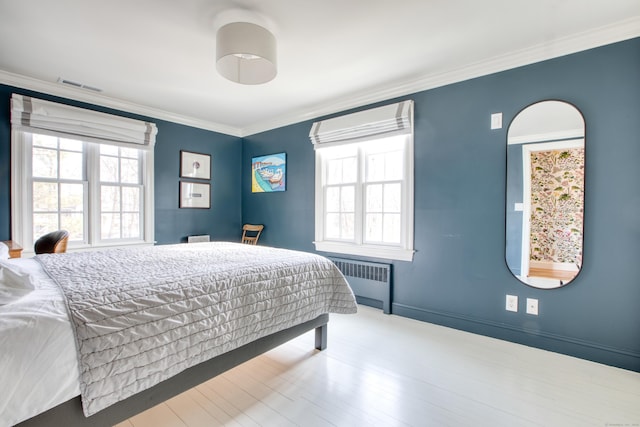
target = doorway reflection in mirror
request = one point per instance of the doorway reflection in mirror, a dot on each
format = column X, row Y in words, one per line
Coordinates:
column 545, row 194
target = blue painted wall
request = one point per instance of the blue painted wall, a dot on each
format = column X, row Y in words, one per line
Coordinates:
column 459, row 277
column 288, row 216
column 172, row 225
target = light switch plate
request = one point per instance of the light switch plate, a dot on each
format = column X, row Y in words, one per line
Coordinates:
column 496, row 121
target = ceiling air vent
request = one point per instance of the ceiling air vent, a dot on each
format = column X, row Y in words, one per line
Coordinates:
column 78, row 85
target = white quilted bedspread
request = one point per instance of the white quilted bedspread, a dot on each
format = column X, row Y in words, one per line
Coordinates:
column 142, row 315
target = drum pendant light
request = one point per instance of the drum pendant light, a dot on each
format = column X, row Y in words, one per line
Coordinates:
column 246, row 53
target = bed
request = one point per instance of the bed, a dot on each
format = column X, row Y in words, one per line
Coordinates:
column 92, row 338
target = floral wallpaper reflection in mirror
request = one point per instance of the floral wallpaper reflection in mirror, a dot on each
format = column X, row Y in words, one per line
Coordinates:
column 557, row 204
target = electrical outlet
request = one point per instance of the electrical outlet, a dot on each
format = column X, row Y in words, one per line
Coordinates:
column 532, row 306
column 512, row 303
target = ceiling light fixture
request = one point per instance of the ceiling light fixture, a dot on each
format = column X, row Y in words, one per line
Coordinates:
column 246, row 53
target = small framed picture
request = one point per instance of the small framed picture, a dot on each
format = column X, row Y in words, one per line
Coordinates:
column 195, row 195
column 195, row 165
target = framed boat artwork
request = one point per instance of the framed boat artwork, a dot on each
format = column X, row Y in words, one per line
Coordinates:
column 269, row 173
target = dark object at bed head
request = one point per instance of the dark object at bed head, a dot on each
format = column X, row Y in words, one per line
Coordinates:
column 52, row 243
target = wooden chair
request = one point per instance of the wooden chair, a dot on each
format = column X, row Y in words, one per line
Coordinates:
column 52, row 243
column 251, row 233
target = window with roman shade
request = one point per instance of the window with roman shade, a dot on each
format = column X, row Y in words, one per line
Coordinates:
column 364, row 182
column 88, row 172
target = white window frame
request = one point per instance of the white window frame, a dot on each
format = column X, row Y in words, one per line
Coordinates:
column 403, row 251
column 22, row 181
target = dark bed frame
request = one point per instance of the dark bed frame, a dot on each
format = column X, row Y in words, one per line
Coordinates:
column 69, row 413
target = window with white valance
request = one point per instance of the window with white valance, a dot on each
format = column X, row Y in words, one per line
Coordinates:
column 88, row 172
column 364, row 182
column 46, row 117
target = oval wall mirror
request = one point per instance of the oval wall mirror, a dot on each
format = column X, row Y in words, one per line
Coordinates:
column 545, row 194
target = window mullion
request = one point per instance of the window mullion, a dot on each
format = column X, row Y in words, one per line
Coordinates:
column 147, row 207
column 120, row 208
column 93, row 188
column 58, row 187
column 140, row 208
column 59, row 207
column 408, row 194
column 325, row 189
column 359, row 198
column 122, row 185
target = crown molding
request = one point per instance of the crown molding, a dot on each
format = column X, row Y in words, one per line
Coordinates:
column 619, row 31
column 80, row 95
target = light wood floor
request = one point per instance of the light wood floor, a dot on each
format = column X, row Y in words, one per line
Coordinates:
column 381, row 370
column 548, row 273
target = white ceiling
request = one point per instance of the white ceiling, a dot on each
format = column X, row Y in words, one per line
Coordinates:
column 157, row 57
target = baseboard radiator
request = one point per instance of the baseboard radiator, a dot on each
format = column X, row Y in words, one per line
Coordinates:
column 370, row 281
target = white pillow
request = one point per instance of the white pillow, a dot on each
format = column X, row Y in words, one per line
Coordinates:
column 14, row 283
column 4, row 251
column 14, row 277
